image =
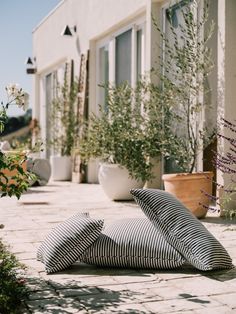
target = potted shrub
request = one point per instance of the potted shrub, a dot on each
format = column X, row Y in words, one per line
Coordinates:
column 64, row 130
column 125, row 136
column 186, row 65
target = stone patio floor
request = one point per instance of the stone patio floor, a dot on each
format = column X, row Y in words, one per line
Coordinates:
column 87, row 289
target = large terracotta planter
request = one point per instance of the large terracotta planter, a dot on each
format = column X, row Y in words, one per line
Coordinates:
column 116, row 182
column 190, row 189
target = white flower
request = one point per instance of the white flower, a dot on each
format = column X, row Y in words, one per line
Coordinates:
column 18, row 96
column 22, row 100
column 13, row 90
column 26, row 101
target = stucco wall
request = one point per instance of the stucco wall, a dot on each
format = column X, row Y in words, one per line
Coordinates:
column 226, row 72
column 230, row 59
column 96, row 19
column 93, row 19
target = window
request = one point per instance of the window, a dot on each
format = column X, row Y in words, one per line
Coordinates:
column 50, row 87
column 104, row 74
column 174, row 28
column 120, row 58
column 140, row 45
column 51, row 82
column 123, row 58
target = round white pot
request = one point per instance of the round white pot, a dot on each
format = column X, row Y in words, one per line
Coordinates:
column 116, row 182
column 61, row 167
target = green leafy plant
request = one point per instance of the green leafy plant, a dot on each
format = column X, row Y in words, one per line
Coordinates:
column 225, row 162
column 185, row 65
column 14, row 179
column 13, row 289
column 129, row 129
column 64, row 119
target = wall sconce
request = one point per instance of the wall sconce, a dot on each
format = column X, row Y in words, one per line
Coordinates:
column 31, row 69
column 68, row 31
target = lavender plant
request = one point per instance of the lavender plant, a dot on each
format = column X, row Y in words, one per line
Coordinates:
column 226, row 163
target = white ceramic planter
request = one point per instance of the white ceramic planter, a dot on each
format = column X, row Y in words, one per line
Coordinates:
column 61, row 167
column 116, row 182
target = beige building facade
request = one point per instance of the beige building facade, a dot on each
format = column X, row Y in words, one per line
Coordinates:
column 122, row 43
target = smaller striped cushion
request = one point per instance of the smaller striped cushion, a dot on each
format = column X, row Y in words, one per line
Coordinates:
column 132, row 243
column 67, row 241
column 182, row 229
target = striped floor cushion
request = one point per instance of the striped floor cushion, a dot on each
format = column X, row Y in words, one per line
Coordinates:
column 67, row 241
column 182, row 229
column 132, row 243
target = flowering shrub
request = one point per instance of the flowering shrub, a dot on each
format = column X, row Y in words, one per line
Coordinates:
column 14, row 179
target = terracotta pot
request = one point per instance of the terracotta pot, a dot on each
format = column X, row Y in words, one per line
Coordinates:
column 188, row 187
column 11, row 173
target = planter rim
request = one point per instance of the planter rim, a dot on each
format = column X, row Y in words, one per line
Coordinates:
column 60, row 156
column 187, row 176
column 107, row 164
column 113, row 166
column 13, row 152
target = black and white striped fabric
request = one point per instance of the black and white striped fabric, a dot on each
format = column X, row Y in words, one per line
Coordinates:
column 182, row 229
column 132, row 243
column 67, row 241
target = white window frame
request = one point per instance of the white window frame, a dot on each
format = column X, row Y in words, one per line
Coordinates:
column 138, row 24
column 56, row 77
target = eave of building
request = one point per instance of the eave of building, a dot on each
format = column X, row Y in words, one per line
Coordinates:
column 48, row 15
column 62, row 2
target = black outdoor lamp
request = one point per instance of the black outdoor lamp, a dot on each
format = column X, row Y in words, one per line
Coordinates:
column 68, row 31
column 31, row 69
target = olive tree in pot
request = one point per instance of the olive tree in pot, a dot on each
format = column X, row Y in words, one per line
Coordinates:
column 125, row 136
column 186, row 66
column 64, row 130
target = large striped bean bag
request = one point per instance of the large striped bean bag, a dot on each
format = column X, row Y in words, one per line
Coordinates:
column 182, row 229
column 132, row 243
column 67, row 242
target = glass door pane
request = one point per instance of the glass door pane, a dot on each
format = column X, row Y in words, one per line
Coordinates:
column 123, row 58
column 48, row 100
column 173, row 24
column 139, row 54
column 103, row 74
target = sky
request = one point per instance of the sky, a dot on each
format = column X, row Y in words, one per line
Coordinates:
column 18, row 18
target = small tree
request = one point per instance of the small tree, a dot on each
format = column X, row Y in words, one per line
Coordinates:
column 185, row 66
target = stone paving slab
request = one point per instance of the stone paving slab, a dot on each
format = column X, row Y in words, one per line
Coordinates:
column 87, row 289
